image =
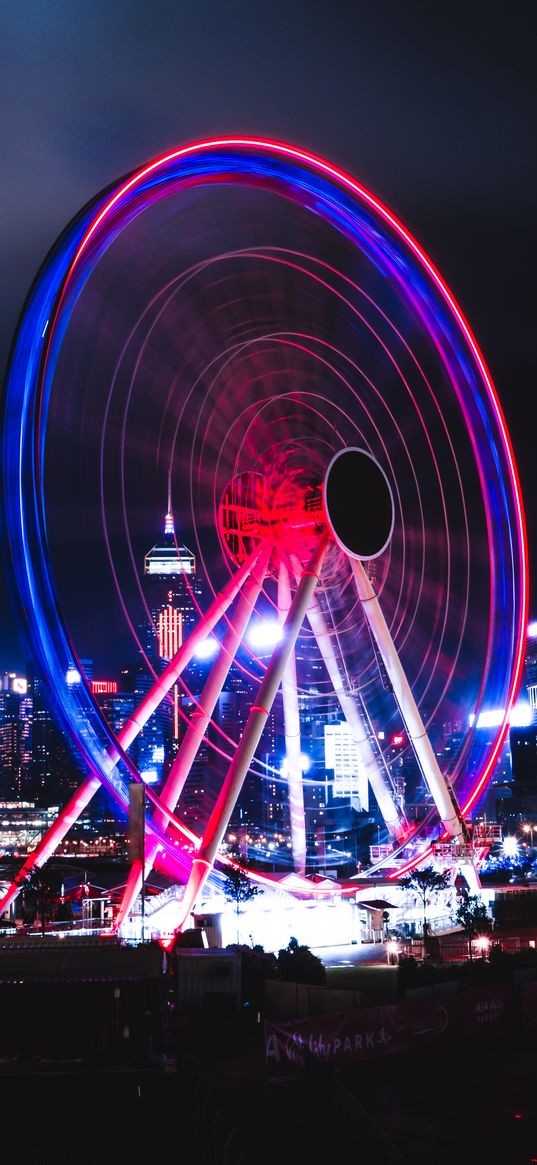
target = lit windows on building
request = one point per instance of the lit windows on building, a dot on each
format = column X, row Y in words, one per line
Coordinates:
column 104, row 687
column 169, row 630
column 341, row 755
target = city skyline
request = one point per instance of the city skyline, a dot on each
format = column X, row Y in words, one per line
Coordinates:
column 467, row 204
column 220, row 349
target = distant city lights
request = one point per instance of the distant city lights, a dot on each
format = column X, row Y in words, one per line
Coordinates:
column 73, row 676
column 521, row 717
column 264, row 633
column 149, row 776
column 532, row 629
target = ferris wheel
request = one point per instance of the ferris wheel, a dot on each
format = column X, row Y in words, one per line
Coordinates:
column 244, row 325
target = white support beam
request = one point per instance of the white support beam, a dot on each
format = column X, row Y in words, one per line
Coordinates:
column 395, row 823
column 415, row 727
column 257, row 719
column 195, row 733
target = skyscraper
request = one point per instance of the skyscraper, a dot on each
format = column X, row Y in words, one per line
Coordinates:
column 173, row 594
column 15, row 738
column 55, row 774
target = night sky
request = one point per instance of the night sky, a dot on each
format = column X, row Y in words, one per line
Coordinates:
column 430, row 106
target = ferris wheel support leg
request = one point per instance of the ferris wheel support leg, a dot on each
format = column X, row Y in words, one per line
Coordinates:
column 448, row 811
column 78, row 802
column 469, row 870
column 195, row 732
column 259, row 712
column 291, row 720
column 177, row 665
column 396, row 825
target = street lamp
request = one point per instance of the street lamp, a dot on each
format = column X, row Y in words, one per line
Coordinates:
column 510, row 847
column 529, row 829
column 392, row 950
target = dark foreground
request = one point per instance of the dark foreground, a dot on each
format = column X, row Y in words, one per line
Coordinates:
column 104, row 1058
column 215, row 1106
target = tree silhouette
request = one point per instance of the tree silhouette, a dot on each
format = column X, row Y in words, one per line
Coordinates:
column 426, row 883
column 297, row 964
column 238, row 888
column 472, row 915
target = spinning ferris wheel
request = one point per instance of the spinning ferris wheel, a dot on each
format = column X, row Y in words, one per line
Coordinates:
column 246, row 323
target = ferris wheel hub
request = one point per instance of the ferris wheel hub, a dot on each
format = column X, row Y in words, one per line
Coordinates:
column 281, row 505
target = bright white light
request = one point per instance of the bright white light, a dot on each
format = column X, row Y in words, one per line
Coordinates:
column 207, row 648
column 510, row 847
column 264, row 633
column 482, row 943
column 158, row 754
column 521, row 717
column 73, row 676
column 304, row 761
column 532, row 629
column 149, row 776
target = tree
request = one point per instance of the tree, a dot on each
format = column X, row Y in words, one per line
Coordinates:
column 472, row 915
column 297, row 964
column 426, row 883
column 238, row 888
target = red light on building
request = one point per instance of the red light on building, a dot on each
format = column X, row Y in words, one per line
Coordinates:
column 398, row 739
column 104, row 687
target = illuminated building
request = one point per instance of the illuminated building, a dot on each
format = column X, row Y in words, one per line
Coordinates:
column 22, row 825
column 104, row 687
column 530, row 671
column 15, row 743
column 54, row 772
column 173, row 592
column 341, row 755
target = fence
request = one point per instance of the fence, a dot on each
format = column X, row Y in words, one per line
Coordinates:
column 369, row 1035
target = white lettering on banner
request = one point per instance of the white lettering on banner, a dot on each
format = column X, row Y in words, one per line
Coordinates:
column 273, row 1048
column 319, row 1046
column 488, row 1010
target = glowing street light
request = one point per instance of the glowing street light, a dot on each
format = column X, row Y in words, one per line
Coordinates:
column 529, row 829
column 392, row 950
column 510, row 847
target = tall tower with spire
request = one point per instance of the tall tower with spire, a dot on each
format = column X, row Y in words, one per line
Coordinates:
column 174, row 594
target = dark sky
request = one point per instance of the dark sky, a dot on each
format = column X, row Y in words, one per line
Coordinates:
column 430, row 105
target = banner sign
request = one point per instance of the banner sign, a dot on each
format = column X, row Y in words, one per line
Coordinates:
column 369, row 1034
column 486, row 1007
column 434, row 1020
column 340, row 1038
